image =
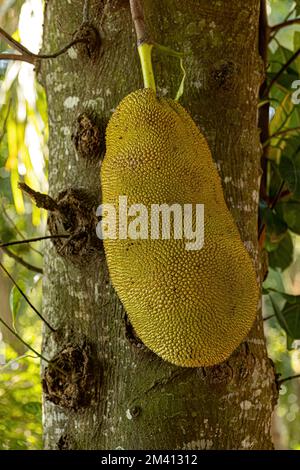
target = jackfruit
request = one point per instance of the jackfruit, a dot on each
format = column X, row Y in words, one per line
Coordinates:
column 191, row 307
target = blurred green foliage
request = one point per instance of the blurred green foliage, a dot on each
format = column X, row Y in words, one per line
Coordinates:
column 20, row 403
column 282, row 219
column 23, row 156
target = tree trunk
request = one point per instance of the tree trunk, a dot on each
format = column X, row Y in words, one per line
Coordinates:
column 124, row 396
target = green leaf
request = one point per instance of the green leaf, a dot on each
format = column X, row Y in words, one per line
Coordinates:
column 19, row 445
column 282, row 257
column 290, row 212
column 273, row 281
column 292, row 299
column 276, row 229
column 280, row 317
column 291, row 315
column 289, row 166
column 288, row 317
column 32, row 407
column 15, row 301
column 289, row 343
column 277, row 60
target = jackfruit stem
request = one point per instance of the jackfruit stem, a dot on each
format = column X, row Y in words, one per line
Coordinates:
column 143, row 42
column 145, row 51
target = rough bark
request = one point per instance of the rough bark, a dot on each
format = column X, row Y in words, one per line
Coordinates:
column 141, row 401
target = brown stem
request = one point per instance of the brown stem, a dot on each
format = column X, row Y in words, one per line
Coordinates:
column 25, row 297
column 28, row 56
column 268, row 317
column 287, row 379
column 41, row 200
column 30, row 240
column 60, row 51
column 137, row 13
column 277, row 195
column 16, row 228
column 21, row 261
column 271, row 207
column 21, row 57
column 285, row 131
column 22, row 341
column 279, row 26
column 13, row 43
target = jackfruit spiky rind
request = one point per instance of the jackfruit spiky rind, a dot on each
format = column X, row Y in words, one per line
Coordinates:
column 192, row 308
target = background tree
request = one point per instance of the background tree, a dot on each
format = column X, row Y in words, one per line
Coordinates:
column 114, row 392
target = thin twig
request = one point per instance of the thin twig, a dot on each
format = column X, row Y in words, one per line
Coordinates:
column 28, row 56
column 138, row 19
column 26, row 298
column 19, row 358
column 285, row 131
column 33, row 350
column 284, row 24
column 271, row 207
column 60, row 51
column 280, row 133
column 22, row 341
column 21, row 261
column 287, row 379
column 16, row 228
column 268, row 317
column 280, row 72
column 30, row 240
column 277, row 195
column 288, row 16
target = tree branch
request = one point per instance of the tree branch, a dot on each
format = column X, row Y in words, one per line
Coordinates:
column 287, row 379
column 60, row 51
column 20, row 57
column 21, row 261
column 285, row 131
column 271, row 207
column 31, row 349
column 25, row 297
column 280, row 72
column 279, row 133
column 268, row 317
column 284, row 24
column 28, row 56
column 16, row 228
column 13, row 43
column 22, row 341
column 30, row 240
column 41, row 200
